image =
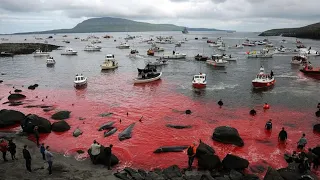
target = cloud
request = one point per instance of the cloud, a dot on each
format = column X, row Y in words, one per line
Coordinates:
column 216, row 13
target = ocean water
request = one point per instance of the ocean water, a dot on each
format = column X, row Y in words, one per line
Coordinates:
column 293, row 99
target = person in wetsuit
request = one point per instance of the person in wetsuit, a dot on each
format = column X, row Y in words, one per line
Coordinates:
column 283, row 136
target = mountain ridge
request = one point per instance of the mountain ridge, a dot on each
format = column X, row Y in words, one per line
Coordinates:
column 111, row 24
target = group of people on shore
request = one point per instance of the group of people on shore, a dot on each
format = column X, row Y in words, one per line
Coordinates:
column 11, row 147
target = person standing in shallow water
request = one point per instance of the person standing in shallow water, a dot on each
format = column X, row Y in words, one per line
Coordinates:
column 4, row 149
column 27, row 157
column 95, row 151
column 108, row 151
column 12, row 149
column 283, row 136
column 49, row 157
column 302, row 142
column 269, row 125
column 42, row 151
column 36, row 134
column 191, row 154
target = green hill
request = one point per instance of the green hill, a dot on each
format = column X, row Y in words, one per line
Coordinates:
column 109, row 24
column 310, row 32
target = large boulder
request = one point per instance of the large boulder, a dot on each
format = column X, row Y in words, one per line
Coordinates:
column 16, row 96
column 234, row 162
column 61, row 115
column 10, row 117
column 235, row 175
column 204, row 149
column 32, row 120
column 227, row 135
column 60, row 126
column 172, row 172
column 272, row 174
column 209, row 162
column 316, row 150
column 102, row 158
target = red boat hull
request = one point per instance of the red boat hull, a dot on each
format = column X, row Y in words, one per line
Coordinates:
column 263, row 85
column 198, row 85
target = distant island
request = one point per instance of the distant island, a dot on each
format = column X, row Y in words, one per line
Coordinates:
column 310, row 32
column 110, row 24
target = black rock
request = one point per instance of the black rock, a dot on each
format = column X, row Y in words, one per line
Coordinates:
column 188, row 111
column 61, row 115
column 102, row 158
column 10, row 117
column 172, row 172
column 15, row 97
column 250, row 177
column 209, row 162
column 142, row 172
column 130, row 171
column 60, row 126
column 32, row 120
column 227, row 135
column 272, row 174
column 234, row 162
column 235, row 175
column 122, row 175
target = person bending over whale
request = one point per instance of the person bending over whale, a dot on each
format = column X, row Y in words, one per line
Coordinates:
column 283, row 136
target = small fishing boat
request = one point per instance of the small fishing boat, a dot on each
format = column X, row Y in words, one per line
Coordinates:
column 262, row 54
column 260, row 43
column 123, row 46
column 263, row 80
column 150, row 52
column 51, row 61
column 109, row 63
column 299, row 59
column 199, row 81
column 311, row 71
column 96, row 41
column 155, row 48
column 237, row 46
column 6, row 54
column 69, row 51
column 200, row 57
column 229, row 58
column 80, row 81
column 247, row 43
column 91, row 47
column 148, row 74
column 175, row 55
column 39, row 53
column 217, row 61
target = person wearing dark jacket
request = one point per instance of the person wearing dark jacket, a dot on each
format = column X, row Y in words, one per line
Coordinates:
column 191, row 152
column 42, row 150
column 12, row 149
column 283, row 136
column 27, row 157
column 36, row 134
column 4, row 149
column 108, row 151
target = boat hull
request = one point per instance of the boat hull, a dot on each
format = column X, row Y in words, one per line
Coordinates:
column 217, row 64
column 123, row 47
column 263, row 84
column 108, row 67
column 69, row 54
column 311, row 72
column 199, row 85
column 175, row 57
column 140, row 80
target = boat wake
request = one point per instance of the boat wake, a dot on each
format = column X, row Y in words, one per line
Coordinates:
column 222, row 86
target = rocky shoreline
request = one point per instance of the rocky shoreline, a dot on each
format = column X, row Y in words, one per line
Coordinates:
column 26, row 48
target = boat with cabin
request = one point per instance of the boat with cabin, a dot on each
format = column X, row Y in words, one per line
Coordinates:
column 148, row 74
column 80, row 81
column 123, row 46
column 299, row 59
column 260, row 54
column 175, row 55
column 51, row 61
column 263, row 80
column 199, row 81
column 39, row 53
column 217, row 61
column 92, row 47
column 201, row 57
column 109, row 62
column 69, row 51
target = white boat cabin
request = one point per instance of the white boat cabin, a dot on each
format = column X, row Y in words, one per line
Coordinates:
column 79, row 78
column 199, row 77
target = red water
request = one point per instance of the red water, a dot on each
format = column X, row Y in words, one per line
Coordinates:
column 159, row 105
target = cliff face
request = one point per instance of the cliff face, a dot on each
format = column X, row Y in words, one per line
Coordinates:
column 310, row 32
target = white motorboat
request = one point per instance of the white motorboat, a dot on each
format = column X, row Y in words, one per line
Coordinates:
column 123, row 46
column 96, row 41
column 148, row 74
column 248, row 43
column 199, row 81
column 229, row 58
column 260, row 54
column 217, row 61
column 133, row 53
column 109, row 62
column 260, row 43
column 237, row 46
column 155, row 48
column 299, row 59
column 91, row 47
column 39, row 53
column 80, row 80
column 69, row 51
column 309, row 52
column 175, row 55
column 51, row 61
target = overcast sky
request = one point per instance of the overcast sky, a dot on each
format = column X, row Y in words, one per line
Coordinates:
column 239, row 15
